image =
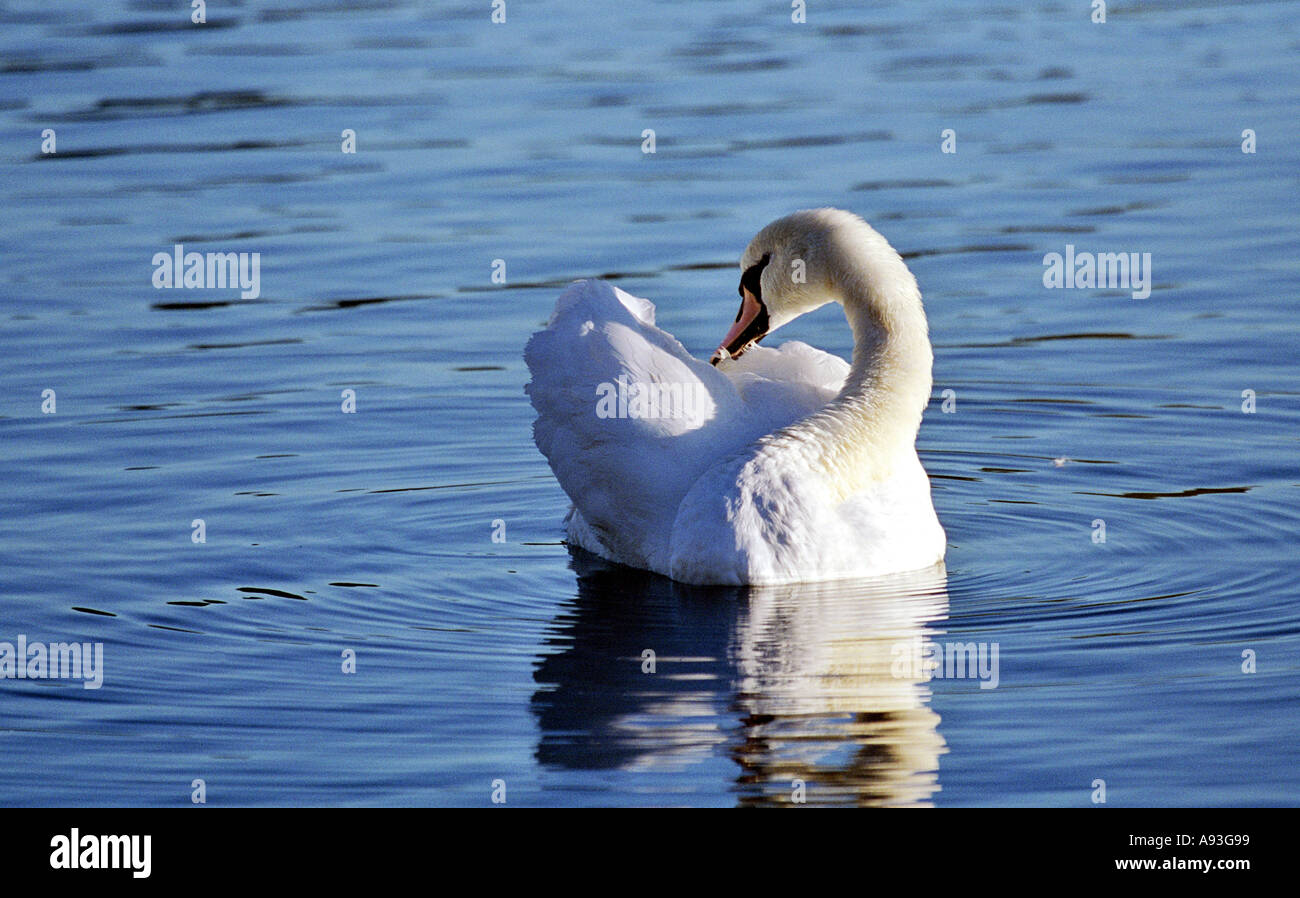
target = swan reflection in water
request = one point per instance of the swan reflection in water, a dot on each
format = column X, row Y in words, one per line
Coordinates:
column 795, row 684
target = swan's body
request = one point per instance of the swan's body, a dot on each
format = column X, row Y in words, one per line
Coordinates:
column 790, row 465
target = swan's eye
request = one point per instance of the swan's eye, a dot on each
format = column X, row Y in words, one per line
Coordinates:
column 751, row 280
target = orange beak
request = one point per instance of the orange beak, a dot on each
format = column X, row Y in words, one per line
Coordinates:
column 750, row 327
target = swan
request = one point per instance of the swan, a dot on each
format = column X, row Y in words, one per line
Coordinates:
column 763, row 466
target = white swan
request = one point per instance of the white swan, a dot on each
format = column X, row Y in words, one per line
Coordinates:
column 777, row 466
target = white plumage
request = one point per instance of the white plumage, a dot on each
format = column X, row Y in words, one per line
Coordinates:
column 779, row 465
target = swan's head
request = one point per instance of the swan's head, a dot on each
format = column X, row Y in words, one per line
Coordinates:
column 799, row 263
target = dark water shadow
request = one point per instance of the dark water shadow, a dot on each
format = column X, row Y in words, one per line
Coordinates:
column 796, row 685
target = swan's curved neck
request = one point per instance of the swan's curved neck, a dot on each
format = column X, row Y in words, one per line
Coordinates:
column 866, row 430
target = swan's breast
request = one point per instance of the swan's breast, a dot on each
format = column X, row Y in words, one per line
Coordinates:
column 775, row 516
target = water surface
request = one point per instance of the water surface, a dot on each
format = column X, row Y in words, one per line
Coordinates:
column 520, row 661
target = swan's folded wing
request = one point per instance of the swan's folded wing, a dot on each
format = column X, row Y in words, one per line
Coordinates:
column 627, row 418
column 779, row 385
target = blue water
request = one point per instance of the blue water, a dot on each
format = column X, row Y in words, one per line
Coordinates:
column 481, row 661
